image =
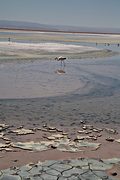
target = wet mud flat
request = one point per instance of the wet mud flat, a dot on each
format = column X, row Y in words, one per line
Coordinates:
column 61, row 110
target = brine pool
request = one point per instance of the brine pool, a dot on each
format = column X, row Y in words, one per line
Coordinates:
column 41, row 78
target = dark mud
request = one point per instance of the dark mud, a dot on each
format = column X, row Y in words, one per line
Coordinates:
column 60, row 110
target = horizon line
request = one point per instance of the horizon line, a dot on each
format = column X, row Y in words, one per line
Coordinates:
column 61, row 25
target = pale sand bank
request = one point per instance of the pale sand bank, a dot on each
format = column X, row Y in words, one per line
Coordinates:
column 50, row 47
column 38, row 36
column 14, row 51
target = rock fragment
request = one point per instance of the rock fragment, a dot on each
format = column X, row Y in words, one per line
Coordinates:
column 3, row 127
column 23, row 131
column 110, row 139
column 117, row 140
column 110, row 130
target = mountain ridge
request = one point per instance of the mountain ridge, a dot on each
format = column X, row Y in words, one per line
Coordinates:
column 22, row 25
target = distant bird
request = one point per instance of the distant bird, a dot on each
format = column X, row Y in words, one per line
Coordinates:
column 9, row 39
column 62, row 59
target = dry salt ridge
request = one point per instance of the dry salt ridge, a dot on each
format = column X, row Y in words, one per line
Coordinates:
column 70, row 169
column 48, row 51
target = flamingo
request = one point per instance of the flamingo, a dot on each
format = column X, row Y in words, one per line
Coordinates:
column 62, row 59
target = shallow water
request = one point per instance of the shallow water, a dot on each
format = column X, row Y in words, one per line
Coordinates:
column 37, row 79
column 27, row 79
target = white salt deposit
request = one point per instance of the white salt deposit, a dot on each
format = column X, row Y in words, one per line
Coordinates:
column 49, row 47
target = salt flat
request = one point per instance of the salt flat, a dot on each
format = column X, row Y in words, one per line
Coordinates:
column 46, row 51
column 50, row 47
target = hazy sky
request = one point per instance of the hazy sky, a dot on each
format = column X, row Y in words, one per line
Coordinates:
column 87, row 13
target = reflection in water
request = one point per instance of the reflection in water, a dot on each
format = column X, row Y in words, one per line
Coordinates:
column 61, row 70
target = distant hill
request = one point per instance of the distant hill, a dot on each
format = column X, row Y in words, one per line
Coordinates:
column 24, row 25
column 44, row 27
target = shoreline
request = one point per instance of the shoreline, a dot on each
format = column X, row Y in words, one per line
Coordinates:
column 57, row 31
column 48, row 51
